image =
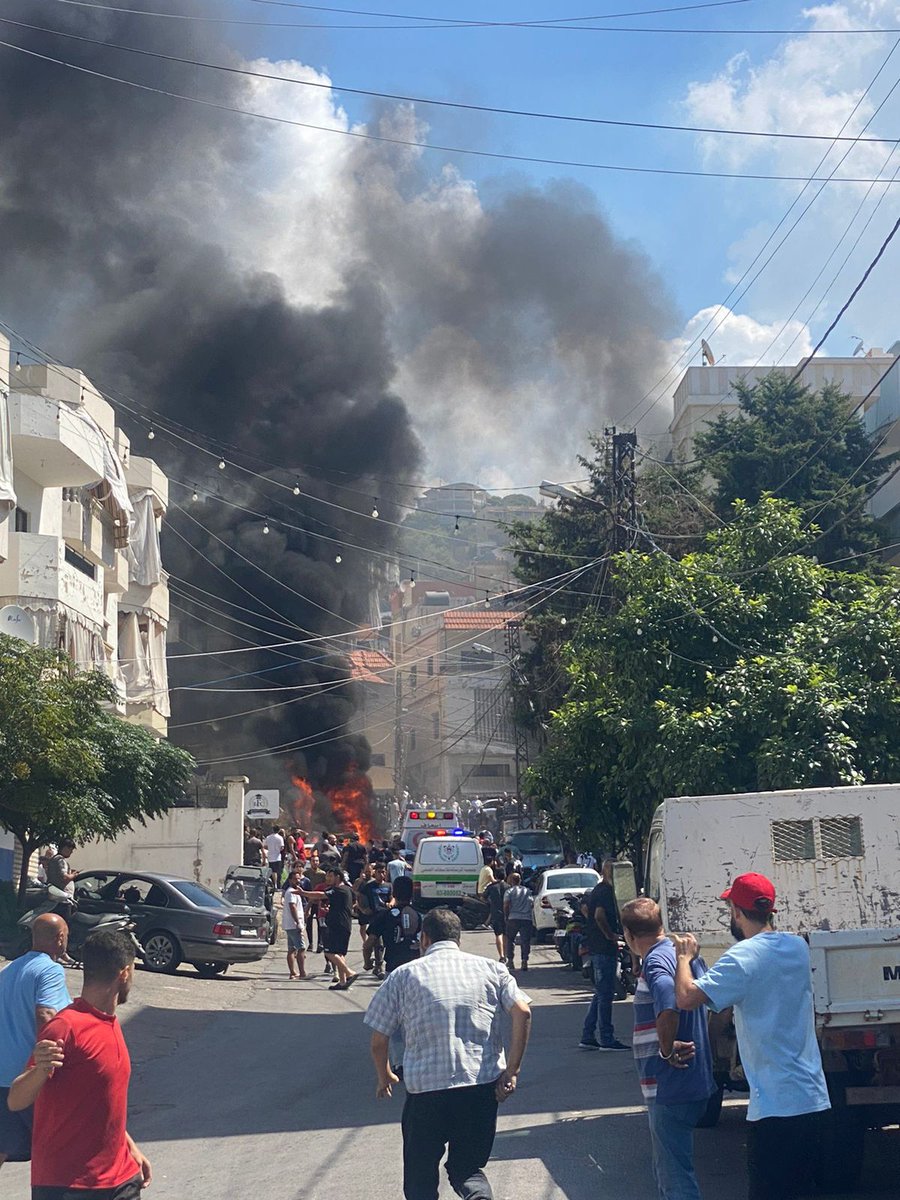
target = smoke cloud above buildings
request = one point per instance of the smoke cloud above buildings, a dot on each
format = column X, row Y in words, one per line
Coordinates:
column 346, row 313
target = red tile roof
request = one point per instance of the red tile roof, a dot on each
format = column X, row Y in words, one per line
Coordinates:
column 365, row 663
column 480, row 619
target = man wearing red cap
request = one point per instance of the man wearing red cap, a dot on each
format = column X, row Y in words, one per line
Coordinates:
column 766, row 979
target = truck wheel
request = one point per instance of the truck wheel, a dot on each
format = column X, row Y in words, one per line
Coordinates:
column 710, row 1118
column 839, row 1158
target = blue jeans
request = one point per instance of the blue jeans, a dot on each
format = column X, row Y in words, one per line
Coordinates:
column 672, row 1137
column 598, row 1025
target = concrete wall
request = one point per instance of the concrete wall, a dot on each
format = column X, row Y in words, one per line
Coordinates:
column 193, row 843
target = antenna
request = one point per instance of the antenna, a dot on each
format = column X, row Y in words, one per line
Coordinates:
column 707, row 356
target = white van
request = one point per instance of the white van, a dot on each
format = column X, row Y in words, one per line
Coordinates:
column 446, row 869
column 424, row 822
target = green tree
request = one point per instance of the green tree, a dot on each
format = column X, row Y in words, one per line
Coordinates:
column 744, row 666
column 803, row 446
column 68, row 765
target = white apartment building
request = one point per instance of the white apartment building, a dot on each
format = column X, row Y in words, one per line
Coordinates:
column 705, row 393
column 80, row 565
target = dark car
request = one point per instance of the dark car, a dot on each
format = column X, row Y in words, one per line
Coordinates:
column 177, row 920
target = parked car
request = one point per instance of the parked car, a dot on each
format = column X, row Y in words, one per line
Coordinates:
column 551, row 894
column 535, row 849
column 253, row 888
column 177, row 920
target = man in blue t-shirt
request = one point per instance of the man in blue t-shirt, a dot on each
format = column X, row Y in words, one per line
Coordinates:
column 671, row 1051
column 32, row 991
column 766, row 979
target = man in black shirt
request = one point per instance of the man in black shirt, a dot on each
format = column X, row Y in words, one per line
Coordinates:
column 602, row 936
column 355, row 858
column 375, row 895
column 338, row 925
column 397, row 925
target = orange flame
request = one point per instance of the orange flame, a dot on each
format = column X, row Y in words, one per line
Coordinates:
column 303, row 803
column 351, row 803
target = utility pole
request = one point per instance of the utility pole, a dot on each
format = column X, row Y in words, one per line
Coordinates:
column 398, row 736
column 520, row 733
column 623, row 488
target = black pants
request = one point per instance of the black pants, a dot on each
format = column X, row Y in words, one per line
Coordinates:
column 466, row 1118
column 780, row 1154
column 126, row 1191
column 523, row 929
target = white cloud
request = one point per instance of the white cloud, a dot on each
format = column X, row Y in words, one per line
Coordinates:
column 740, row 338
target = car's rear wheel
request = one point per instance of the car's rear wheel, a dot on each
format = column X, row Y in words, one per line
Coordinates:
column 161, row 951
column 210, row 970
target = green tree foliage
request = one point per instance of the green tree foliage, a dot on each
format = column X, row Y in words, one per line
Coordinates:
column 800, row 445
column 69, row 766
column 741, row 667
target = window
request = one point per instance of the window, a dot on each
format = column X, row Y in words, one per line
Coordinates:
column 793, row 841
column 821, row 837
column 654, row 866
column 492, row 770
column 198, row 894
column 474, row 660
column 492, row 715
column 431, row 666
column 23, row 520
column 435, row 726
column 141, row 891
column 413, row 678
column 412, row 739
column 840, row 837
column 74, row 559
column 570, row 881
column 377, row 760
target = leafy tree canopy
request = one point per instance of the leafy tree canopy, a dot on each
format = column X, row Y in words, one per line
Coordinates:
column 803, row 446
column 68, row 765
column 743, row 666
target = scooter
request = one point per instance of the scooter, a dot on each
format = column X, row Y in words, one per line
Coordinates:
column 569, row 932
column 80, row 924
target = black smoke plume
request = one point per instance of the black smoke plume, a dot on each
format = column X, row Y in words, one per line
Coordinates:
column 125, row 221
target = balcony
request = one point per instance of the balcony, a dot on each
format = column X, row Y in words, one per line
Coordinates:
column 36, row 569
column 115, row 575
column 144, row 473
column 51, row 445
column 85, row 530
column 153, row 599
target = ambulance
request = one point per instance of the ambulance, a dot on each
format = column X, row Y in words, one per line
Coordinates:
column 446, row 869
column 439, row 821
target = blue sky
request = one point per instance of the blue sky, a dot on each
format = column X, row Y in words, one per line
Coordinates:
column 685, row 225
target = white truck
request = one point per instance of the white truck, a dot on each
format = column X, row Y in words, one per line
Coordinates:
column 834, row 857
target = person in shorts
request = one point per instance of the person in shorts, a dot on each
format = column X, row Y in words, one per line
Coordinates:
column 338, row 925
column 494, row 893
column 292, row 922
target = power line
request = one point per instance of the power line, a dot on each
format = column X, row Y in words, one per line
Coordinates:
column 494, row 155
column 332, row 86
column 438, row 24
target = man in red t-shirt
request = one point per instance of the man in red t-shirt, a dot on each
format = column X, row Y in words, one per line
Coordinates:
column 77, row 1081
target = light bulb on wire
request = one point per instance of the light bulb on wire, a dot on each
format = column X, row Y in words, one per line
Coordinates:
column 18, row 362
column 266, row 527
column 375, row 508
column 338, row 559
column 296, row 489
column 221, row 464
column 151, row 432
column 195, row 497
column 541, row 547
column 456, row 526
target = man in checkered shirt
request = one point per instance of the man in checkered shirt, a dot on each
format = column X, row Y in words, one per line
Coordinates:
column 450, row 1006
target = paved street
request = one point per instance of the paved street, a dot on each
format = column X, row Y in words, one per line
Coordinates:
column 251, row 1083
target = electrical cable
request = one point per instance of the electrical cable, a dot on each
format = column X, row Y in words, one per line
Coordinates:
column 531, row 114
column 433, row 147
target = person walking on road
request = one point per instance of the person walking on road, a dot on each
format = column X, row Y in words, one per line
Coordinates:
column 518, row 909
column 671, row 1051
column 78, row 1084
column 766, row 979
column 275, row 854
column 338, row 926
column 601, row 935
column 449, row 1006
column 292, row 922
column 32, row 991
column 494, row 894
column 315, row 877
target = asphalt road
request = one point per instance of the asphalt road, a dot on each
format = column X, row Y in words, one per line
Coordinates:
column 252, row 1084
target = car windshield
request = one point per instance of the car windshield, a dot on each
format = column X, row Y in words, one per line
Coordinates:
column 570, row 881
column 536, row 843
column 198, row 894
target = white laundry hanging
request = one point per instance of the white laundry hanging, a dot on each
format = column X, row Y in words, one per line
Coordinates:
column 143, row 553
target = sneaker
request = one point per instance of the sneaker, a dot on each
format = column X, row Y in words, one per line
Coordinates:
column 349, row 982
column 524, row 966
column 588, row 1044
column 615, row 1044
column 378, row 973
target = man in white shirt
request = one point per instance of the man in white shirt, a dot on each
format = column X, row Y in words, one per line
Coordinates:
column 275, row 853
column 293, row 923
column 449, row 1006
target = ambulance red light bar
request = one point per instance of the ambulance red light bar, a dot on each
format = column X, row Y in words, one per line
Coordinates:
column 413, row 816
column 440, row 833
column 449, row 816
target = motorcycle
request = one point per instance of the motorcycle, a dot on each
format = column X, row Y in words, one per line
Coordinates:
column 49, row 899
column 569, row 932
column 626, row 980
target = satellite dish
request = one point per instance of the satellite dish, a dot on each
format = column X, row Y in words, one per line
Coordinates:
column 16, row 622
column 709, row 359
